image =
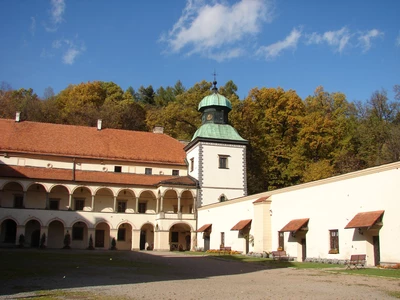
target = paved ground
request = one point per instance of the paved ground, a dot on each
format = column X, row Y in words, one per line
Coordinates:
column 176, row 276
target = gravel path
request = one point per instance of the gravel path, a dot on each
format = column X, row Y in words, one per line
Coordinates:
column 177, row 276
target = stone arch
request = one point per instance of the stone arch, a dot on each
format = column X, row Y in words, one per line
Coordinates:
column 146, row 236
column 102, row 235
column 126, row 201
column 170, row 199
column 83, row 221
column 13, row 194
column 33, row 232
column 180, row 236
column 56, row 219
column 82, row 198
column 60, row 194
column 147, row 202
column 79, row 234
column 36, row 195
column 124, row 236
column 55, row 233
column 8, row 230
column 104, row 200
column 187, row 202
column 78, row 187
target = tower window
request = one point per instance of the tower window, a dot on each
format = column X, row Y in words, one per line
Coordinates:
column 117, row 169
column 175, row 172
column 148, row 171
column 191, row 164
column 223, row 161
column 222, row 198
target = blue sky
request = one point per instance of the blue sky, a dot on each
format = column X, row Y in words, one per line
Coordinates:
column 346, row 46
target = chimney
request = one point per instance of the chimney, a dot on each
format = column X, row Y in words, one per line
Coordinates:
column 17, row 116
column 99, row 121
column 158, row 129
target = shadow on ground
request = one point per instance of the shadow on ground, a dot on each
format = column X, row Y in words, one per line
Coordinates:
column 28, row 270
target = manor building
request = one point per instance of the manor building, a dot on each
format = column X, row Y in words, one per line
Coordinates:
column 149, row 191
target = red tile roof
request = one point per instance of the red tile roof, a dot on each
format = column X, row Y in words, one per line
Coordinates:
column 262, row 199
column 204, row 228
column 295, row 225
column 88, row 142
column 241, row 224
column 86, row 176
column 365, row 219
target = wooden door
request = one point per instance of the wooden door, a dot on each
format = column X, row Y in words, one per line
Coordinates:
column 99, row 239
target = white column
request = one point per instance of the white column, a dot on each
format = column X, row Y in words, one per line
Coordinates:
column 70, row 201
column 115, row 203
column 92, row 202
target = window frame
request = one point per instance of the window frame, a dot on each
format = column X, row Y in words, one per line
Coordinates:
column 140, row 206
column 334, row 241
column 119, row 202
column 121, row 234
column 175, row 172
column 79, row 200
column 117, row 169
column 54, row 200
column 148, row 171
column 192, row 164
column 281, row 239
column 223, row 162
column 18, row 201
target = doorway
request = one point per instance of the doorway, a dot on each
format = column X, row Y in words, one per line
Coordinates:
column 99, row 238
column 377, row 251
column 303, row 249
column 142, row 240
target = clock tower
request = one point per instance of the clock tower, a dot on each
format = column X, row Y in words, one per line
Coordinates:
column 217, row 153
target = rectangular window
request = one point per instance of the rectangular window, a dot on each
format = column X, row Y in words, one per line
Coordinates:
column 223, row 161
column 334, row 241
column 18, row 201
column 121, row 234
column 191, row 164
column 117, row 169
column 148, row 171
column 142, row 208
column 54, row 204
column 222, row 239
column 79, row 204
column 77, row 233
column 175, row 172
column 281, row 241
column 121, row 206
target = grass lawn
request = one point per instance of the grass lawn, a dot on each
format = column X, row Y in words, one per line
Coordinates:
column 270, row 263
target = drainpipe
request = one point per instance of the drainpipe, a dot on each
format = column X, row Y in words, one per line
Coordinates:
column 73, row 169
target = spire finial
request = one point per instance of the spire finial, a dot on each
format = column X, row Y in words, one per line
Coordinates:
column 214, row 89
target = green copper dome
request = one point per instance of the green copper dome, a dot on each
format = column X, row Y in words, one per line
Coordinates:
column 218, row 131
column 214, row 99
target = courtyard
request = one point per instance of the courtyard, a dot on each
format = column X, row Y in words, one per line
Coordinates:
column 80, row 274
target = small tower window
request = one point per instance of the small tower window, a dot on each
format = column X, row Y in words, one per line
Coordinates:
column 148, row 171
column 223, row 161
column 191, row 164
column 175, row 172
column 117, row 169
column 222, row 198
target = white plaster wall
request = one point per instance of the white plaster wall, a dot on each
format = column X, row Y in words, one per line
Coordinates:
column 223, row 218
column 213, row 176
column 333, row 205
column 211, row 195
column 193, row 153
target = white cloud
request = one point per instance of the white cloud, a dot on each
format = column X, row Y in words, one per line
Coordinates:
column 365, row 38
column 213, row 30
column 56, row 15
column 32, row 27
column 57, row 11
column 274, row 50
column 71, row 49
column 338, row 39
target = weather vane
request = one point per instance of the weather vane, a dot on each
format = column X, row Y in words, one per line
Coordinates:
column 215, row 82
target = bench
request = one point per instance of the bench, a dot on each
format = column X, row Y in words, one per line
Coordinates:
column 224, row 250
column 356, row 261
column 279, row 255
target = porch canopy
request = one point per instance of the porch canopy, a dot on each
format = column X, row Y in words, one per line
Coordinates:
column 295, row 225
column 241, row 225
column 205, row 227
column 365, row 219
